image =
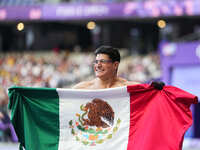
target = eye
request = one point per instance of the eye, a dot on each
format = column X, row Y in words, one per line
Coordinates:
column 102, row 61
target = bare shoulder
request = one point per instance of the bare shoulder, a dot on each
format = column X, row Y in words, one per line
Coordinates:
column 132, row 83
column 124, row 82
column 83, row 85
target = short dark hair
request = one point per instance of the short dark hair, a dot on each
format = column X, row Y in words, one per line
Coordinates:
column 112, row 52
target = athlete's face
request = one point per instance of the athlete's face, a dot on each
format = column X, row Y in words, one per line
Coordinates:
column 104, row 67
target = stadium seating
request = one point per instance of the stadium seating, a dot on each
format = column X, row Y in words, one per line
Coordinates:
column 17, row 2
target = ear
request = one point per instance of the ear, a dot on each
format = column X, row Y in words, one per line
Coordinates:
column 116, row 64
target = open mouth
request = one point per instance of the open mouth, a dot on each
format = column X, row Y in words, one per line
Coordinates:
column 99, row 70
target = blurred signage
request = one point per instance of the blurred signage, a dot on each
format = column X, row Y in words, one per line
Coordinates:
column 20, row 13
column 35, row 13
column 2, row 14
column 102, row 10
column 73, row 12
column 94, row 10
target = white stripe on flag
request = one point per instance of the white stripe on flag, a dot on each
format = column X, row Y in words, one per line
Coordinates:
column 114, row 137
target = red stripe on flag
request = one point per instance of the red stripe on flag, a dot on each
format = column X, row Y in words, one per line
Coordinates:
column 158, row 118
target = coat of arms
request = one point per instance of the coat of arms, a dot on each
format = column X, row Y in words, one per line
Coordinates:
column 95, row 124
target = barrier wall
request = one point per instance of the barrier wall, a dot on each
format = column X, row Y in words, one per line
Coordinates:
column 180, row 63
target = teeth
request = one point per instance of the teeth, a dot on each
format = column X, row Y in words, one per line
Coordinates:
column 99, row 70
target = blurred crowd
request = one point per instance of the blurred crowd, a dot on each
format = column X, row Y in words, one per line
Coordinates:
column 53, row 69
column 63, row 69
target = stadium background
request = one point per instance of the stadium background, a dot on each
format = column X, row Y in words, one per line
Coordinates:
column 50, row 43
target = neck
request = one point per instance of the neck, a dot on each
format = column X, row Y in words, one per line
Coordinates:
column 106, row 82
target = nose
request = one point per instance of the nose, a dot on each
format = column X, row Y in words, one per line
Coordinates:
column 99, row 65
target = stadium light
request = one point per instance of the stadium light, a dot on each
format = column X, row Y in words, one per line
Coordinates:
column 91, row 25
column 20, row 26
column 161, row 23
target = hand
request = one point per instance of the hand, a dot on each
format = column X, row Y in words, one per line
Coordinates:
column 158, row 85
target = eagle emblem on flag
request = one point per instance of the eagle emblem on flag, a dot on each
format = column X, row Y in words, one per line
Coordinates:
column 95, row 124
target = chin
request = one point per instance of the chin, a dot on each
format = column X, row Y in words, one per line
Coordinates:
column 99, row 75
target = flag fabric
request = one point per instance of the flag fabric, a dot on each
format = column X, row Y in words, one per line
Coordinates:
column 136, row 117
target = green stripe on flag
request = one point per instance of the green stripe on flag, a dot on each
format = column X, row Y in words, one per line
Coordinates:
column 35, row 117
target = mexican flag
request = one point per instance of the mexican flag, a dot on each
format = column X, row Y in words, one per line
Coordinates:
column 136, row 117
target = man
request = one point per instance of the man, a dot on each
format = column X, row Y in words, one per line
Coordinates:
column 106, row 66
